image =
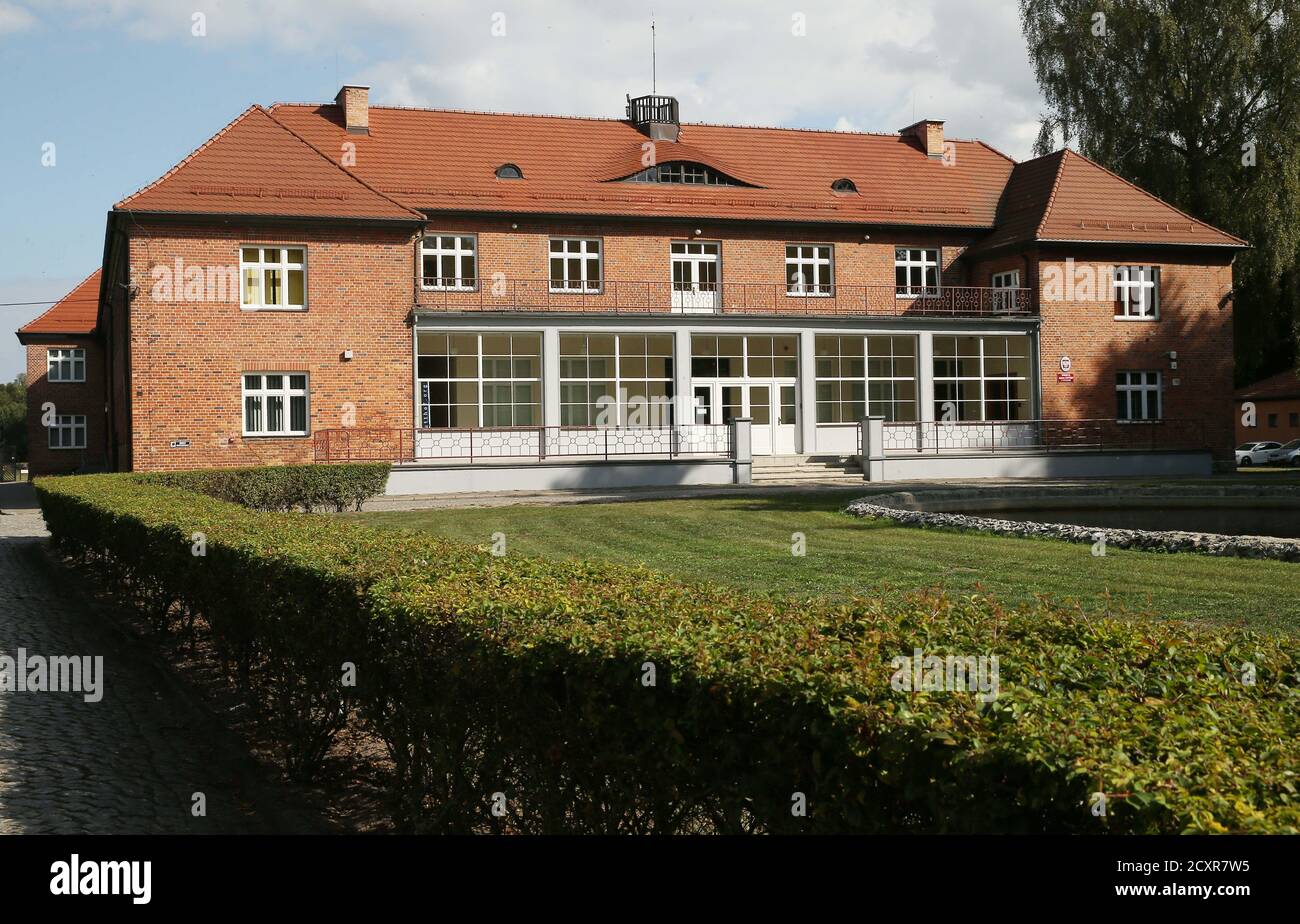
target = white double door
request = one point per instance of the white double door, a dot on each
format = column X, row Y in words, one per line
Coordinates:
column 695, row 277
column 772, row 406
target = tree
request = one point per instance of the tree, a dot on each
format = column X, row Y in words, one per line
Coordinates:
column 1199, row 103
column 13, row 419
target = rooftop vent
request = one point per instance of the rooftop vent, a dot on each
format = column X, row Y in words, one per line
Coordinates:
column 655, row 116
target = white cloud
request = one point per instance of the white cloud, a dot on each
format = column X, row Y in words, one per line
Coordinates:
column 14, row 18
column 866, row 65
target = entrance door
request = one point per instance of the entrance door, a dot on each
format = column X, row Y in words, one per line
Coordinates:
column 784, row 424
column 760, row 412
column 695, row 277
column 773, row 425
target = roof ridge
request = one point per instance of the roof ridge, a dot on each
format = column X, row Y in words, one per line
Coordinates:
column 1056, row 185
column 121, row 203
column 587, row 118
column 50, row 310
column 340, row 168
column 1150, row 195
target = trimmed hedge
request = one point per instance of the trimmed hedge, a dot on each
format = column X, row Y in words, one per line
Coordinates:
column 524, row 678
column 285, row 487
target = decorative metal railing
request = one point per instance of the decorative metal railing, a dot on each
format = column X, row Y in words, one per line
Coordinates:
column 1049, row 435
column 397, row 444
column 666, row 297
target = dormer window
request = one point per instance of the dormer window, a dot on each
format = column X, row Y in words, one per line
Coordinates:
column 844, row 185
column 681, row 171
column 509, row 172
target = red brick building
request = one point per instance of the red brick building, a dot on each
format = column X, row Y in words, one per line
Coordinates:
column 1274, row 409
column 326, row 281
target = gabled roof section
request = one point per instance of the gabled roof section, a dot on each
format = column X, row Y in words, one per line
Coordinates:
column 1066, row 197
column 445, row 160
column 1283, row 385
column 256, row 166
column 76, row 314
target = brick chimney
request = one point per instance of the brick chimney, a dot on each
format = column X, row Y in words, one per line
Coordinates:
column 929, row 132
column 354, row 100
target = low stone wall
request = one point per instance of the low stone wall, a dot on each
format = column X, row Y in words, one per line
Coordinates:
column 905, row 507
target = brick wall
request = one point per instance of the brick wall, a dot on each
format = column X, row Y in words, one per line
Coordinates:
column 76, row 398
column 1277, row 419
column 1195, row 320
column 187, row 357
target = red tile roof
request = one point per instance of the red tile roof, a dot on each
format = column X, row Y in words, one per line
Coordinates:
column 439, row 159
column 1064, row 196
column 1283, row 385
column 285, row 161
column 77, row 313
column 256, row 166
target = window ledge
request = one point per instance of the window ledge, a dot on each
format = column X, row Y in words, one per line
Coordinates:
column 276, row 308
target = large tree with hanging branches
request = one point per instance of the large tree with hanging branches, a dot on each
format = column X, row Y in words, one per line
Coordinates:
column 1199, row 102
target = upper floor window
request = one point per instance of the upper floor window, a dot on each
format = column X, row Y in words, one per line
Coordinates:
column 68, row 431
column 509, row 172
column 275, row 404
column 1137, row 292
column 681, row 171
column 449, row 262
column 274, row 277
column 1137, row 395
column 575, row 264
column 1005, row 301
column 808, row 269
column 916, row 271
column 65, row 364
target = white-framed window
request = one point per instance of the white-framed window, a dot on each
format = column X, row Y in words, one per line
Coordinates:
column 1137, row 395
column 1137, row 293
column 273, row 278
column 981, row 378
column 575, row 264
column 275, row 404
column 611, row 380
column 916, row 271
column 470, row 380
column 65, row 364
column 858, row 375
column 68, row 432
column 809, row 269
column 449, row 261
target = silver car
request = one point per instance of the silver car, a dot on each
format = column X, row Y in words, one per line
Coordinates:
column 1256, row 453
column 1286, row 454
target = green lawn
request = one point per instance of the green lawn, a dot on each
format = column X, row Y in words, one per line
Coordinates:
column 746, row 541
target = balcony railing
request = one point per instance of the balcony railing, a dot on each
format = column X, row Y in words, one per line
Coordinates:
column 1006, row 436
column 623, row 297
column 485, row 444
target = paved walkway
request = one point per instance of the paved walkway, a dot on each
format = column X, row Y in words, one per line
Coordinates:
column 131, row 762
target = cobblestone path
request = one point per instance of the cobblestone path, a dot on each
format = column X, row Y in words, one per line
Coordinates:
column 131, row 762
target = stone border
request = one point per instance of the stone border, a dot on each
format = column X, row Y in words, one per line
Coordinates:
column 903, row 507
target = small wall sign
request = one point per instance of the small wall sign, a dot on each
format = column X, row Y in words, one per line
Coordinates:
column 1066, row 364
column 180, row 444
column 1066, row 378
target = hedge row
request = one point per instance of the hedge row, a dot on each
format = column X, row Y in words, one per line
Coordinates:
column 285, row 487
column 522, row 685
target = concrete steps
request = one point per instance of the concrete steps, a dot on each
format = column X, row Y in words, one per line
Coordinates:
column 807, row 470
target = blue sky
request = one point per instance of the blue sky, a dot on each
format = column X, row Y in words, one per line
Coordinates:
column 125, row 89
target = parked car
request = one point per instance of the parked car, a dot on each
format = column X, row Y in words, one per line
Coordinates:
column 1286, row 454
column 1256, row 453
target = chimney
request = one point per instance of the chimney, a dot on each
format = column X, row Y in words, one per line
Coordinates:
column 930, row 133
column 655, row 117
column 354, row 100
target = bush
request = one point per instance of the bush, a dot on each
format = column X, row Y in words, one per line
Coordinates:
column 285, row 487
column 529, row 679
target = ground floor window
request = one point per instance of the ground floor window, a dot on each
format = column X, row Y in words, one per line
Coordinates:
column 479, row 380
column 981, row 378
column 275, row 404
column 738, row 357
column 860, row 376
column 1137, row 395
column 616, row 380
column 68, row 431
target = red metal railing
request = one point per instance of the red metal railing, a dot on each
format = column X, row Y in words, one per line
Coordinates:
column 665, row 297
